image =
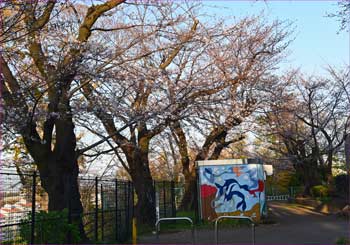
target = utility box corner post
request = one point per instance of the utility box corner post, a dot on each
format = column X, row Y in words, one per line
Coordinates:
column 233, row 187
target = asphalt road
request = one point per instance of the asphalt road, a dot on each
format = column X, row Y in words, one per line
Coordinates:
column 293, row 224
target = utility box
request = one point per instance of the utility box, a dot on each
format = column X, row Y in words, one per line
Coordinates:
column 232, row 187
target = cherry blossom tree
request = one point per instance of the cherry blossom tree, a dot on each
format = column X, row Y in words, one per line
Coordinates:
column 38, row 69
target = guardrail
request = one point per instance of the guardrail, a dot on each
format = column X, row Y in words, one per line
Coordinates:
column 234, row 217
column 174, row 219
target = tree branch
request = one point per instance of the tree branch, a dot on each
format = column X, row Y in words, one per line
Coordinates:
column 93, row 13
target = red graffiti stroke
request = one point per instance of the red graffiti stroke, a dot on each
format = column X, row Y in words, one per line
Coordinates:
column 259, row 189
column 207, row 190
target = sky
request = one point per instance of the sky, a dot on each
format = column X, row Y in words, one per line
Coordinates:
column 317, row 43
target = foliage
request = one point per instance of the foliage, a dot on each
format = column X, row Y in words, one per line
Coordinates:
column 319, row 191
column 295, row 180
column 326, row 199
column 280, row 182
column 16, row 240
column 50, row 228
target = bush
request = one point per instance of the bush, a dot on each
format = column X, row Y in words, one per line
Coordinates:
column 50, row 228
column 319, row 191
column 341, row 183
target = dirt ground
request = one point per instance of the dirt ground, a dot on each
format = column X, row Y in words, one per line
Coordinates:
column 293, row 224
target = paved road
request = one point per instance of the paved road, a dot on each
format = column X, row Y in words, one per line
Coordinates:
column 294, row 224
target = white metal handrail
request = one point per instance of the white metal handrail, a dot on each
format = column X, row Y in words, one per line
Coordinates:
column 174, row 219
column 234, row 217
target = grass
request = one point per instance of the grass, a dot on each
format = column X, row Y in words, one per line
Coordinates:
column 16, row 241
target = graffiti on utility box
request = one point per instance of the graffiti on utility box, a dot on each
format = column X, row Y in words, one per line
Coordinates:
column 231, row 189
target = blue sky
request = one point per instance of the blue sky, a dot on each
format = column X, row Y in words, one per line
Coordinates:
column 317, row 41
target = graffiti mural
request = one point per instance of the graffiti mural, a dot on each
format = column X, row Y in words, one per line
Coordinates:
column 235, row 189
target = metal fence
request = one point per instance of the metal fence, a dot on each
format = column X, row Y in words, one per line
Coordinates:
column 276, row 194
column 165, row 198
column 108, row 206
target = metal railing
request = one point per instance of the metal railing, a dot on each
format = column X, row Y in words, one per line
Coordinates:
column 174, row 219
column 278, row 198
column 234, row 217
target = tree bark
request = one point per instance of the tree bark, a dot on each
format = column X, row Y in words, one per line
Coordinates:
column 309, row 174
column 347, row 161
column 145, row 207
column 189, row 201
column 58, row 171
column 216, row 136
column 58, row 167
column 347, row 153
column 137, row 157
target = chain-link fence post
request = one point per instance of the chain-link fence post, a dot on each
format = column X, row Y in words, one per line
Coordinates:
column 164, row 199
column 127, row 213
column 116, row 209
column 102, row 215
column 173, row 206
column 96, row 209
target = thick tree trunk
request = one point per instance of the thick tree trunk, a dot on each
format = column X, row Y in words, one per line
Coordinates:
column 347, row 162
column 189, row 201
column 217, row 136
column 137, row 157
column 309, row 175
column 58, row 171
column 63, row 192
column 347, row 153
column 140, row 173
column 145, row 209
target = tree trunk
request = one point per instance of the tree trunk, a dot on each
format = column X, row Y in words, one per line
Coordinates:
column 58, row 171
column 309, row 175
column 145, row 210
column 189, row 201
column 347, row 162
column 328, row 172
column 63, row 192
column 140, row 173
column 347, row 153
column 217, row 136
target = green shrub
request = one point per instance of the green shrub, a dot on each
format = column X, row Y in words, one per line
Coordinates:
column 324, row 199
column 280, row 182
column 319, row 191
column 50, row 228
column 295, row 180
